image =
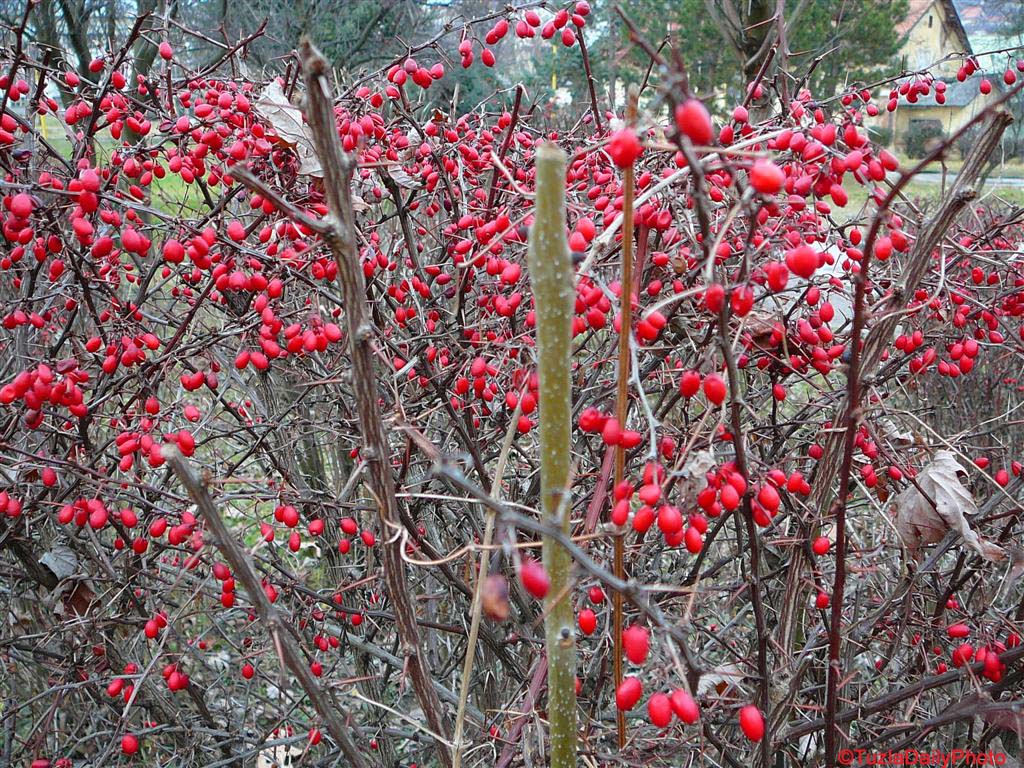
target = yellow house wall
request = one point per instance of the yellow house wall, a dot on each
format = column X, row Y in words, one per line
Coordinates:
column 927, row 43
column 951, row 118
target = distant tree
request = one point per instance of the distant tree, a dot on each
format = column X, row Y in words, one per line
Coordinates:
column 70, row 33
column 354, row 35
column 857, row 40
column 725, row 42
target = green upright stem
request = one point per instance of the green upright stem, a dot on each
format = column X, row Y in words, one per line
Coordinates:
column 552, row 277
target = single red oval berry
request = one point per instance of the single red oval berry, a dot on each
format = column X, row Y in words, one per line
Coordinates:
column 693, row 540
column 689, row 384
column 22, row 205
column 628, row 693
column 768, row 497
column 694, row 121
column 752, row 722
column 715, row 389
column 802, row 260
column 129, row 744
column 659, row 710
column 958, row 631
column 534, row 578
column 766, row 177
column 670, row 519
column 624, row 147
column 636, row 643
column 587, row 621
column 729, row 497
column 684, row 706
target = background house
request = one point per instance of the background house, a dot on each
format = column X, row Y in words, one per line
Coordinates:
column 935, row 38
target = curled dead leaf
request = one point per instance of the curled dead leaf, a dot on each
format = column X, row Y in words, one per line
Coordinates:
column 720, row 679
column 1009, row 717
column 290, row 127
column 945, row 505
column 404, row 179
column 494, row 598
column 61, row 560
column 692, row 476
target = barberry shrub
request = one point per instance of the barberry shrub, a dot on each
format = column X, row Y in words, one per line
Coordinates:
column 811, row 541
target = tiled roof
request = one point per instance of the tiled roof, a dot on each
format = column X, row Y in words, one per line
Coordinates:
column 915, row 11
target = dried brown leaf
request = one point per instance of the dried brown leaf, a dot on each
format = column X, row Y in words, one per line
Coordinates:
column 692, row 476
column 919, row 523
column 494, row 598
column 290, row 127
column 720, row 679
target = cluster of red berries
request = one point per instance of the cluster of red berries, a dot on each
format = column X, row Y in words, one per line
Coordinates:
column 44, row 386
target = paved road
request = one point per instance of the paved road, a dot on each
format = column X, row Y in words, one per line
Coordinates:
column 1001, row 181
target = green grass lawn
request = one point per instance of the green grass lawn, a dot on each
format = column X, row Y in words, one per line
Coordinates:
column 1011, row 168
column 926, row 196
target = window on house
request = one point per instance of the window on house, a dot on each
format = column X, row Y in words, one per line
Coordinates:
column 930, row 19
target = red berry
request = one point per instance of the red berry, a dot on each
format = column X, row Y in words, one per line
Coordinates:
column 802, row 260
column 694, row 121
column 714, row 298
column 693, row 540
column 628, row 693
column 636, row 643
column 883, row 248
column 643, row 519
column 22, row 205
column 624, row 147
column 729, row 497
column 587, row 621
column 962, row 655
column 670, row 519
column 958, row 631
column 768, row 497
column 659, row 710
column 778, row 275
column 534, row 578
column 689, row 384
column 129, row 744
column 174, row 252
column 611, row 432
column 684, row 706
column 715, row 389
column 752, row 722
column 766, row 177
